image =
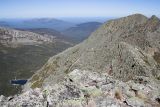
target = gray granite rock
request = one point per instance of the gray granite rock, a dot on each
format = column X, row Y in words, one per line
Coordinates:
column 76, row 90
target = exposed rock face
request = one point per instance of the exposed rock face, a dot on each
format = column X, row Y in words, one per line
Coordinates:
column 124, row 48
column 14, row 38
column 90, row 89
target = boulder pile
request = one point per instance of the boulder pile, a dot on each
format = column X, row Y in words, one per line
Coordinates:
column 90, row 89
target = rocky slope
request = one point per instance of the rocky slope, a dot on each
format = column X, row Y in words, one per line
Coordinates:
column 89, row 89
column 124, row 48
column 58, row 36
column 11, row 37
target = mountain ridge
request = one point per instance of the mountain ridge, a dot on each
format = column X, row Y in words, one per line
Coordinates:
column 81, row 31
column 15, row 37
column 125, row 53
column 118, row 65
column 54, row 23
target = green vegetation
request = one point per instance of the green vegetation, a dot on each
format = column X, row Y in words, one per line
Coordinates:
column 37, row 84
column 22, row 62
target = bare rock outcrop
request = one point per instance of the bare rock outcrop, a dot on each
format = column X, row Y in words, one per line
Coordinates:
column 89, row 89
column 13, row 38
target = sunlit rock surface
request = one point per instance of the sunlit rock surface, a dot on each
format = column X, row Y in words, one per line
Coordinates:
column 90, row 89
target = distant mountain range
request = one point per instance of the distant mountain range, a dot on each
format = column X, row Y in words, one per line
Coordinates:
column 81, row 31
column 37, row 23
column 75, row 32
column 3, row 23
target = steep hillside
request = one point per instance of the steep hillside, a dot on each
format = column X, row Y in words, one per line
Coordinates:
column 58, row 36
column 22, row 53
column 81, row 31
column 124, row 48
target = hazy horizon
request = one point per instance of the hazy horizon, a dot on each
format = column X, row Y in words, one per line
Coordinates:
column 76, row 20
column 10, row 9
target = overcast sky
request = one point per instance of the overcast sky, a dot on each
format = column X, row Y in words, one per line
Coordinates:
column 77, row 8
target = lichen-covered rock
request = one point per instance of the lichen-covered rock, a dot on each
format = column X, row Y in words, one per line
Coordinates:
column 135, row 102
column 79, row 89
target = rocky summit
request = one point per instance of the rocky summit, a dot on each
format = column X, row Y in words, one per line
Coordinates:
column 117, row 66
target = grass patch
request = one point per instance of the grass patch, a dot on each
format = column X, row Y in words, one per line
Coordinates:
column 37, row 84
column 34, row 78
